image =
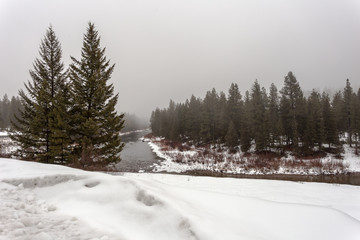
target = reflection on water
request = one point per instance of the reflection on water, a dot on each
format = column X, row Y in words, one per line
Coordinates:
column 136, row 154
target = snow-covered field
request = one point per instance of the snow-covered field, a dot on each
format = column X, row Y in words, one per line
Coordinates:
column 194, row 159
column 39, row 201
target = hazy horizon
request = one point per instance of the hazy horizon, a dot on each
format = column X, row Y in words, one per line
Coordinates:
column 172, row 49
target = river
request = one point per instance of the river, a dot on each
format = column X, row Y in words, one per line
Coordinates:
column 136, row 155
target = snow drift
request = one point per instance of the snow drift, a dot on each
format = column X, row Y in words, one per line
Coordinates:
column 40, row 201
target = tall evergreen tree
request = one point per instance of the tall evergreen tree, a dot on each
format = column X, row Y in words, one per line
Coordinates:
column 193, row 120
column 258, row 117
column 155, row 123
column 315, row 123
column 222, row 120
column 231, row 137
column 34, row 129
column 273, row 116
column 5, row 111
column 210, row 105
column 235, row 105
column 356, row 120
column 290, row 105
column 337, row 105
column 348, row 110
column 330, row 131
column 95, row 120
column 245, row 131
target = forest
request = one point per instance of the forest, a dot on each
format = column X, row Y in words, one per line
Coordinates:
column 134, row 122
column 273, row 121
column 9, row 109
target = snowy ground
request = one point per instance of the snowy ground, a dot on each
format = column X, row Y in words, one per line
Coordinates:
column 194, row 159
column 46, row 202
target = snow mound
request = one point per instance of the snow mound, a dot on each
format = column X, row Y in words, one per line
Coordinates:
column 45, row 181
column 111, row 203
column 25, row 217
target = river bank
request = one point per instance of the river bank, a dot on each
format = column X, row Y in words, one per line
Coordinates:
column 190, row 160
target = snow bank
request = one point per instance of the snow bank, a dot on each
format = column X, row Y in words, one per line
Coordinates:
column 351, row 159
column 158, row 206
column 238, row 163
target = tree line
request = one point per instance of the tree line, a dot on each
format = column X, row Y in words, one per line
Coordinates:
column 134, row 122
column 269, row 121
column 8, row 109
column 68, row 114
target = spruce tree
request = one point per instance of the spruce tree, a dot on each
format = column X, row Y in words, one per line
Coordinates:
column 96, row 124
column 34, row 128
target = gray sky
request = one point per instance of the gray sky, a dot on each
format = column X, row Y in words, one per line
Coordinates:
column 174, row 48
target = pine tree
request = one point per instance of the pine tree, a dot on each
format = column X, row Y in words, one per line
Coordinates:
column 315, row 124
column 5, row 110
column 60, row 139
column 193, row 119
column 34, row 128
column 235, row 105
column 96, row 124
column 245, row 131
column 337, row 107
column 330, row 131
column 356, row 120
column 258, row 117
column 348, row 110
column 208, row 120
column 155, row 123
column 222, row 121
column 290, row 105
column 231, row 137
column 273, row 116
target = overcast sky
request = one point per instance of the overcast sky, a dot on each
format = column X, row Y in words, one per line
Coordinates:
column 174, row 48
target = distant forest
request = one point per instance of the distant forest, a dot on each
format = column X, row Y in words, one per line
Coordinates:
column 9, row 108
column 268, row 121
column 133, row 122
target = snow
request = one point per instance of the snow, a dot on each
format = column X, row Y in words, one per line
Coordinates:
column 134, row 131
column 178, row 161
column 39, row 201
column 351, row 159
column 3, row 134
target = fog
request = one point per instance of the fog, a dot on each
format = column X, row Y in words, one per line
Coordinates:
column 167, row 49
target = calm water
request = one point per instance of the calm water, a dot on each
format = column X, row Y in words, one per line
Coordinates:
column 136, row 155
